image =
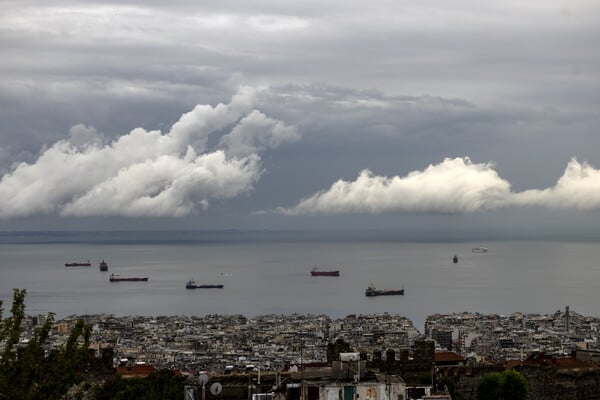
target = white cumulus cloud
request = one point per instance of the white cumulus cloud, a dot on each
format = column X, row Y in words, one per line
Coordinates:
column 257, row 132
column 578, row 188
column 147, row 173
column 452, row 186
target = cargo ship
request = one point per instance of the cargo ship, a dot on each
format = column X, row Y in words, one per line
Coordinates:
column 372, row 291
column 118, row 278
column 79, row 264
column 480, row 250
column 103, row 266
column 191, row 284
column 315, row 272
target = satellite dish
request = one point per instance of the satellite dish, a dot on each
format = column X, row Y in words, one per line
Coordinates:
column 203, row 379
column 215, row 389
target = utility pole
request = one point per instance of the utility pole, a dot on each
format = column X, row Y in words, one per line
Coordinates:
column 302, row 365
column 388, row 384
column 203, row 380
column 249, row 385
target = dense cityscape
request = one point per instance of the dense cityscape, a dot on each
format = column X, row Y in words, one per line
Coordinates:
column 224, row 346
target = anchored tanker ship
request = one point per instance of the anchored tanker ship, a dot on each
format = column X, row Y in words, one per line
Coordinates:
column 193, row 285
column 372, row 291
column 79, row 264
column 118, row 278
column 316, row 272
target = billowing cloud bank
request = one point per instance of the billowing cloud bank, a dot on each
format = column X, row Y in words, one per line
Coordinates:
column 147, row 173
column 453, row 186
column 578, row 188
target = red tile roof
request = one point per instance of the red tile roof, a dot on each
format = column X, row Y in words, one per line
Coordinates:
column 447, row 356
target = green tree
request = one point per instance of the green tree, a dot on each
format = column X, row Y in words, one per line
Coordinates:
column 508, row 385
column 489, row 387
column 515, row 386
column 26, row 370
column 160, row 385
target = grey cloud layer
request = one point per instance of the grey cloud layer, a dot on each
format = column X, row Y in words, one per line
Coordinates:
column 450, row 187
column 214, row 153
column 510, row 48
column 388, row 86
column 147, row 173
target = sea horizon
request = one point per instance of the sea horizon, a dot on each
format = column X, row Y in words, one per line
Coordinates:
column 265, row 272
column 290, row 235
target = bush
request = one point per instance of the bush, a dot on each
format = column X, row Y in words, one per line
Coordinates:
column 26, row 372
column 507, row 385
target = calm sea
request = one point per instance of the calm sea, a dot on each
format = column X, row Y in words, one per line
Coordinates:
column 266, row 275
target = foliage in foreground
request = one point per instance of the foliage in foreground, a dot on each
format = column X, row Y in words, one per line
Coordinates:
column 31, row 371
column 507, row 385
column 448, row 383
column 160, row 385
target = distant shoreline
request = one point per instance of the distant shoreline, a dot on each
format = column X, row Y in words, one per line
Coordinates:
column 249, row 236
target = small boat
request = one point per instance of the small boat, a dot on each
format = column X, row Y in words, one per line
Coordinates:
column 118, row 278
column 315, row 272
column 79, row 264
column 191, row 284
column 103, row 266
column 372, row 291
column 455, row 259
column 480, row 250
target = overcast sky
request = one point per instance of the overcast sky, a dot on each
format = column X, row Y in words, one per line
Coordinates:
column 301, row 115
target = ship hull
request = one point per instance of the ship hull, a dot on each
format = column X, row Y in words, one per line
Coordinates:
column 128, row 279
column 375, row 293
column 84, row 264
column 204, row 286
column 114, row 278
column 325, row 273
